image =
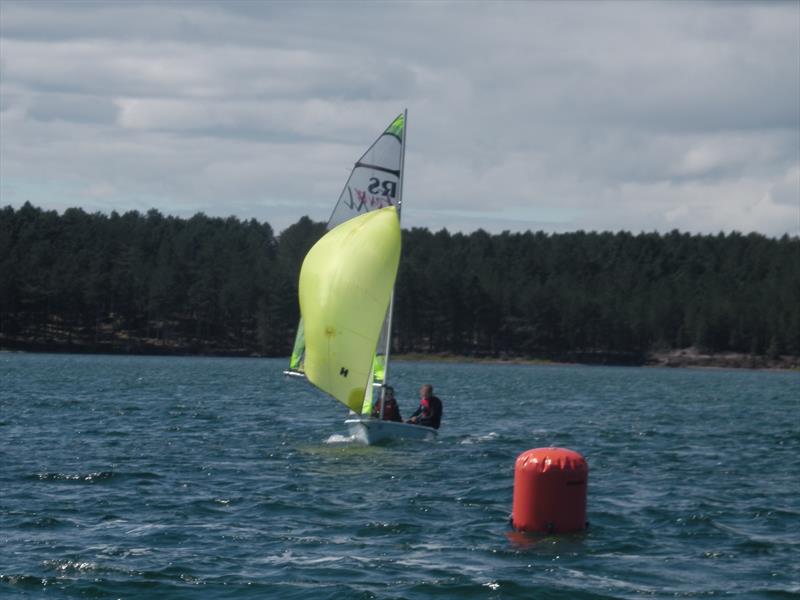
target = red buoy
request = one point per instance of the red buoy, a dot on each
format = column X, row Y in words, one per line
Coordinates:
column 550, row 491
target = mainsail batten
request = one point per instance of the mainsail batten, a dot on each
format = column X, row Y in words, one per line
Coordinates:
column 395, row 172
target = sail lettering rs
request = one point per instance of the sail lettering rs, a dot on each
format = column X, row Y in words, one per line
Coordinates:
column 386, row 188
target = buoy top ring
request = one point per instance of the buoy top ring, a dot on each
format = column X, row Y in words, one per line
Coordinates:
column 546, row 459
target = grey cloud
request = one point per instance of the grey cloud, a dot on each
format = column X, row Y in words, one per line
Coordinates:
column 786, row 192
column 640, row 116
column 87, row 109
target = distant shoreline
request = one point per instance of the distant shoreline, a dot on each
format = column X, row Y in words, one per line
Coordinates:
column 682, row 358
column 674, row 359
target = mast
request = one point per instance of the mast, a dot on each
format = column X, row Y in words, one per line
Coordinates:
column 391, row 302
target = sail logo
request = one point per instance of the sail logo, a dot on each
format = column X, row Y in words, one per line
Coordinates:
column 363, row 200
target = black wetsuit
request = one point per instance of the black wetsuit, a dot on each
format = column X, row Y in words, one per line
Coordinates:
column 431, row 419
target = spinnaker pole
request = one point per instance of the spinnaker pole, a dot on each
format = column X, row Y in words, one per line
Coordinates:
column 399, row 206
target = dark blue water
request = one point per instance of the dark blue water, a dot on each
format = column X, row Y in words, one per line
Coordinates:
column 215, row 478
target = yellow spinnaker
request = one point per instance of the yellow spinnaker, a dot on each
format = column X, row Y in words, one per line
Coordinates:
column 345, row 287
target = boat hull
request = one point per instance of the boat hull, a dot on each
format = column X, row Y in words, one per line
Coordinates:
column 372, row 431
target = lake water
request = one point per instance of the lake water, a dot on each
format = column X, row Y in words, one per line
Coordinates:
column 216, row 478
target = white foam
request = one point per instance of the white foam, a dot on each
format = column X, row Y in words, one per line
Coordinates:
column 340, row 439
column 478, row 439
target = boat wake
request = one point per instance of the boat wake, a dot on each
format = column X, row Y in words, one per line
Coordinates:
column 337, row 438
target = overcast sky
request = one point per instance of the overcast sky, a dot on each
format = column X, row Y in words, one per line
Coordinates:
column 596, row 116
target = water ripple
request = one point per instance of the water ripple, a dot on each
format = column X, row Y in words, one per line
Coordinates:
column 186, row 477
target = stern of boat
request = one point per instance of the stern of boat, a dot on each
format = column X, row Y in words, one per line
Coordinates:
column 371, row 431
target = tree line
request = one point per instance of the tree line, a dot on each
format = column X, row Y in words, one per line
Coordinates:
column 153, row 283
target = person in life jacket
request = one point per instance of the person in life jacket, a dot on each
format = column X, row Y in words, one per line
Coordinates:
column 391, row 412
column 429, row 411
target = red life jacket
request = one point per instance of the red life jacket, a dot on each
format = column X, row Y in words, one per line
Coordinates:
column 390, row 411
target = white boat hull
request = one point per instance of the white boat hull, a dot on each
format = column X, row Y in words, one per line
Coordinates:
column 371, row 431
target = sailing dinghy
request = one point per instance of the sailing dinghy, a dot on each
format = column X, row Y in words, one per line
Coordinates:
column 346, row 292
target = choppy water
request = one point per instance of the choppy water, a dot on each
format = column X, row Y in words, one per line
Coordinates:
column 201, row 477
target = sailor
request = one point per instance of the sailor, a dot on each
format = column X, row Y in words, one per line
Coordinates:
column 391, row 412
column 429, row 411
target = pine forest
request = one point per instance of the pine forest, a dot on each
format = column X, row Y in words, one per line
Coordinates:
column 149, row 283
